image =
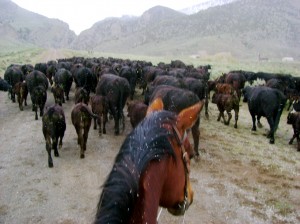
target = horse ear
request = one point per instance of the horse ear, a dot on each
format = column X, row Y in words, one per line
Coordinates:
column 156, row 105
column 187, row 117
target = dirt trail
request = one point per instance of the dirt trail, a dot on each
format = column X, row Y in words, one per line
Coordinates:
column 240, row 178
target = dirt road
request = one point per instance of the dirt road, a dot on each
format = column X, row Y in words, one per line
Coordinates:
column 240, row 177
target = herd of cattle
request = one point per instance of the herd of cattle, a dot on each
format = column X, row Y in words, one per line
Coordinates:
column 104, row 86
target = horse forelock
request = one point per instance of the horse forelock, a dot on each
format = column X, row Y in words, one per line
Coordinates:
column 148, row 141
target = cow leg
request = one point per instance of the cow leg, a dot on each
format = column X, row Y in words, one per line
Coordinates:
column 272, row 130
column 78, row 131
column 206, row 108
column 85, row 137
column 54, row 146
column 258, row 122
column 123, row 121
column 292, row 139
column 41, row 110
column 99, row 120
column 20, row 101
column 253, row 122
column 104, row 123
column 117, row 130
column 229, row 118
column 60, row 141
column 236, row 113
column 95, row 123
column 13, row 97
column 48, row 149
column 196, row 136
column 36, row 113
column 223, row 117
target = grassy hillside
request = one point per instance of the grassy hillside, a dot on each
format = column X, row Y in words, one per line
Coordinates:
column 243, row 28
column 22, row 27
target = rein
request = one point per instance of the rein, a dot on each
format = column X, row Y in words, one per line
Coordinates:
column 184, row 159
column 184, row 154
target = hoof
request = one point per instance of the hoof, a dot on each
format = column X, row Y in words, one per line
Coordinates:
column 50, row 165
column 82, row 156
column 272, row 141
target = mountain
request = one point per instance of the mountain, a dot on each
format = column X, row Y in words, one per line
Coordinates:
column 127, row 32
column 243, row 28
column 204, row 5
column 19, row 26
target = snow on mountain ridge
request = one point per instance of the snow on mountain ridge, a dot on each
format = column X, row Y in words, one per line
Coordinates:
column 205, row 5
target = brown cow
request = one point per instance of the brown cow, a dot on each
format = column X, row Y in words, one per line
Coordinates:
column 100, row 108
column 224, row 88
column 58, row 94
column 136, row 111
column 227, row 102
column 81, row 95
column 54, row 126
column 81, row 116
column 21, row 90
column 294, row 119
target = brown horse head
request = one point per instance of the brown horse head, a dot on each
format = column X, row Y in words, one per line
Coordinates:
column 151, row 169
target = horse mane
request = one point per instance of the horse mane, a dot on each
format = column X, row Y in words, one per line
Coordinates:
column 147, row 142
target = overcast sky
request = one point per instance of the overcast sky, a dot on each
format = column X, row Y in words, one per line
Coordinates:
column 82, row 14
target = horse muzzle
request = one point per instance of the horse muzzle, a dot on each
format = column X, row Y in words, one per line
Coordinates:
column 180, row 208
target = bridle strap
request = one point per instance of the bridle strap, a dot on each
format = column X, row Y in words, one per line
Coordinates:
column 184, row 159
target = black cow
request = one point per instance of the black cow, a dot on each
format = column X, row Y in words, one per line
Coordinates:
column 12, row 76
column 54, row 126
column 200, row 88
column 37, row 84
column 294, row 119
column 50, row 72
column 42, row 67
column 130, row 74
column 4, row 85
column 84, row 77
column 116, row 91
column 64, row 78
column 266, row 102
column 176, row 99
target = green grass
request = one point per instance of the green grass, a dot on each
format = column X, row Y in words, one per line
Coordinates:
column 221, row 62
